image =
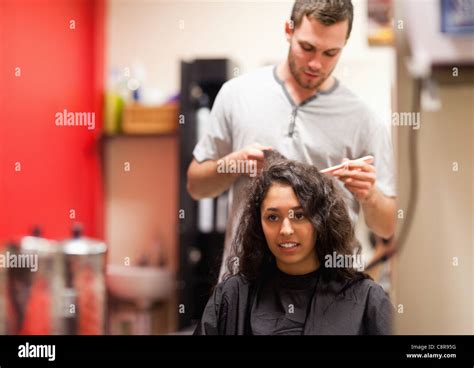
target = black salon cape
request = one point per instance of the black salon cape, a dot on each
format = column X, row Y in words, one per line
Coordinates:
column 356, row 307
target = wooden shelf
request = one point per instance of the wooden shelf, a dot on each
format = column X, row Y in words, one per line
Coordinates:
column 142, row 120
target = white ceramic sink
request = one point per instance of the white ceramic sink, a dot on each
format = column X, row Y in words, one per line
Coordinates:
column 141, row 285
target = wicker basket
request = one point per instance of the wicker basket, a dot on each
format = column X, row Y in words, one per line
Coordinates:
column 139, row 119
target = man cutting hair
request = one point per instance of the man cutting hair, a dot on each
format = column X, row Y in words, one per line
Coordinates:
column 300, row 109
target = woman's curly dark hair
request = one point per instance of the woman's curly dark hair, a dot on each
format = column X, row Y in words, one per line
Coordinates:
column 322, row 203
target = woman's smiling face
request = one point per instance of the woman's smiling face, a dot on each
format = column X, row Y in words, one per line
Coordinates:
column 289, row 234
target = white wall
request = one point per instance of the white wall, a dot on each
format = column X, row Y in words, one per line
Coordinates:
column 434, row 281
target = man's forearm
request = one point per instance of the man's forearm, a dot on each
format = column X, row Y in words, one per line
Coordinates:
column 205, row 181
column 379, row 213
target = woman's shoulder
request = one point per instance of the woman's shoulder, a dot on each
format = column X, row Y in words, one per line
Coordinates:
column 367, row 288
column 232, row 285
column 360, row 288
column 368, row 283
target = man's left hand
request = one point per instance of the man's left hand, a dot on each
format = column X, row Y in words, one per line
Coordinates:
column 359, row 178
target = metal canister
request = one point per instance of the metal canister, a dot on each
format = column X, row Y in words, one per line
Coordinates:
column 35, row 287
column 85, row 284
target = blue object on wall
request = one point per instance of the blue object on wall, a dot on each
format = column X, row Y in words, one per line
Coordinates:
column 457, row 16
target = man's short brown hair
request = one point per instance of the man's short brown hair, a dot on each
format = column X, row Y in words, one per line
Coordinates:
column 327, row 12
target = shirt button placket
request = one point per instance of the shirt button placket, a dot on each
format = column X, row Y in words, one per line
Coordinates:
column 292, row 122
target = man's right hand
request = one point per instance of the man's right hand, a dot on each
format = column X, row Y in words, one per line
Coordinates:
column 253, row 153
column 211, row 178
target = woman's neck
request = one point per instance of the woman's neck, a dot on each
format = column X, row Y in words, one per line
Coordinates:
column 298, row 269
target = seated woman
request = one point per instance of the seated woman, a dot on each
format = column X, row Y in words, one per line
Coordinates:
column 295, row 219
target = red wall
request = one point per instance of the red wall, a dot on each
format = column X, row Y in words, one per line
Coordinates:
column 61, row 68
